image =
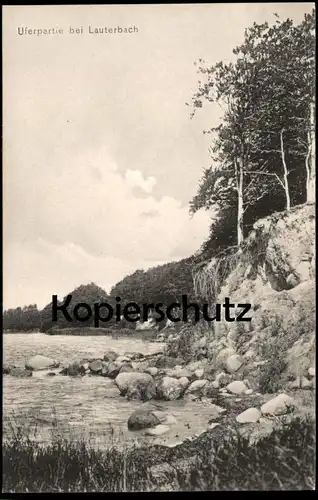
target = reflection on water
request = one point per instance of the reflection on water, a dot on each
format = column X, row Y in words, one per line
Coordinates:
column 79, row 404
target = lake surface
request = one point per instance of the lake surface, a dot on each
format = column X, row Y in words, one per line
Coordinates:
column 80, row 405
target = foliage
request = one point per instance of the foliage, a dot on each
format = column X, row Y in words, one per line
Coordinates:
column 21, row 319
column 283, row 460
column 161, row 284
column 262, row 151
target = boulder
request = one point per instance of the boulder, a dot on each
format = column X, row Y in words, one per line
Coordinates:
column 135, row 385
column 251, row 415
column 110, row 356
column 233, row 363
column 112, row 370
column 96, row 366
column 222, row 379
column 236, row 387
column 142, row 419
column 158, row 430
column 170, row 389
column 278, row 405
column 126, row 368
column 152, row 370
column 39, row 362
column 20, row 373
column 196, row 386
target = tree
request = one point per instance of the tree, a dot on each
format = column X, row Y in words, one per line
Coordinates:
column 267, row 97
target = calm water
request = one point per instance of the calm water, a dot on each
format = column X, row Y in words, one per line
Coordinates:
column 81, row 405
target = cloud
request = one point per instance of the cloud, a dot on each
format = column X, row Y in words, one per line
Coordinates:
column 83, row 222
column 135, row 178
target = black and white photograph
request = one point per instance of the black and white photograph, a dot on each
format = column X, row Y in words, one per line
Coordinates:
column 159, row 305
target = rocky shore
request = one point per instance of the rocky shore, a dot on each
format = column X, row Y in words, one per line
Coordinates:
column 225, row 388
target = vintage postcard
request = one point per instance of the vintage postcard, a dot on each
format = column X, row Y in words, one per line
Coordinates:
column 159, row 314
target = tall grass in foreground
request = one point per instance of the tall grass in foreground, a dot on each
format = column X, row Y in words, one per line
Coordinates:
column 285, row 460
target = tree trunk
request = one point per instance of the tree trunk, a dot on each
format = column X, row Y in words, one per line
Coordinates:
column 311, row 158
column 286, row 187
column 240, row 208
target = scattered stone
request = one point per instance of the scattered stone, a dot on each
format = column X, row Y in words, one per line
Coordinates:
column 51, row 374
column 20, row 373
column 110, row 356
column 7, row 368
column 196, row 365
column 199, row 373
column 158, row 430
column 196, row 386
column 213, row 425
column 215, row 384
column 134, row 355
column 179, row 372
column 223, row 379
column 86, row 366
column 142, row 419
column 248, row 392
column 295, row 384
column 126, row 368
column 305, row 383
column 234, row 363
column 220, row 361
column 279, row 405
column 73, row 370
column 312, row 372
column 171, row 389
column 236, row 387
column 96, row 366
column 167, row 362
column 247, row 383
column 39, row 362
column 152, row 370
column 292, row 281
column 123, row 359
column 252, row 415
column 112, row 370
column 136, row 385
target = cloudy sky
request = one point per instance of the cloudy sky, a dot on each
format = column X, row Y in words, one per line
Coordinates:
column 100, row 155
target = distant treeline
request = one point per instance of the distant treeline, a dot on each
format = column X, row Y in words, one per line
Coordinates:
column 165, row 284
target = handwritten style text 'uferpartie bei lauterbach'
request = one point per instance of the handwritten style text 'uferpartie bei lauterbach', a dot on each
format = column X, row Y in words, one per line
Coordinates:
column 75, row 31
